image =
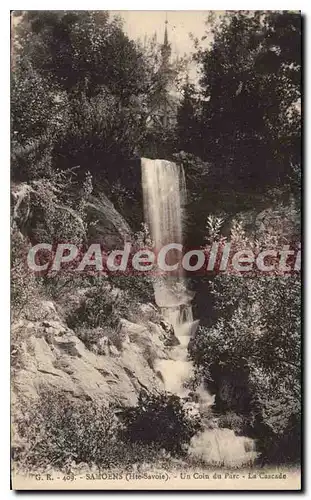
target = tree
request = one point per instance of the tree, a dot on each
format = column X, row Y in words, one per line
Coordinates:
column 252, row 347
column 188, row 119
column 81, row 49
column 104, row 86
column 250, row 84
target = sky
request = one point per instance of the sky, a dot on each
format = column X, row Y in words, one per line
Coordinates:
column 180, row 23
column 139, row 24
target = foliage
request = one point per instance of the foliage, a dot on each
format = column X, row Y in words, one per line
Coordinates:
column 104, row 104
column 100, row 306
column 24, row 285
column 61, row 432
column 249, row 115
column 199, row 202
column 161, row 420
column 255, row 342
column 36, row 107
column 188, row 119
column 138, row 286
column 57, row 429
column 213, row 226
column 100, row 134
column 33, row 160
column 91, row 44
column 231, row 420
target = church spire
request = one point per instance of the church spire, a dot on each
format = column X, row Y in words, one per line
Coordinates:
column 165, row 33
column 166, row 47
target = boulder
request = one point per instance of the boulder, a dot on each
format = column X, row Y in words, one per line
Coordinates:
column 169, row 339
column 107, row 226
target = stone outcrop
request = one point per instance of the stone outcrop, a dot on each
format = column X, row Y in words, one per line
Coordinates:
column 46, row 354
column 105, row 224
column 107, row 227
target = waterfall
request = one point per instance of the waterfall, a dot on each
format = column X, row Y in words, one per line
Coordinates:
column 164, row 196
column 164, row 193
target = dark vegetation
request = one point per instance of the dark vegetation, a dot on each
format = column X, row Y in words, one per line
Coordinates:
column 160, row 420
column 61, row 432
column 82, row 95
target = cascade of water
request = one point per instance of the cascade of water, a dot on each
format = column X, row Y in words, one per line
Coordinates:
column 164, row 194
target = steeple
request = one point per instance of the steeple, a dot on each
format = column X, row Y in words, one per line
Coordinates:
column 165, row 33
column 166, row 47
column 165, row 109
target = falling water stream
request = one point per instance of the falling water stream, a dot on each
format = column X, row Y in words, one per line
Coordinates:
column 164, row 193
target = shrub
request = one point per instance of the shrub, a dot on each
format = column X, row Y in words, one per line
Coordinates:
column 231, row 420
column 138, row 287
column 61, row 432
column 101, row 305
column 57, row 429
column 160, row 420
column 253, row 349
column 36, row 107
column 23, row 282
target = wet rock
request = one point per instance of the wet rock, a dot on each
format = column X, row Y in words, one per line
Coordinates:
column 167, row 327
column 169, row 337
column 171, row 340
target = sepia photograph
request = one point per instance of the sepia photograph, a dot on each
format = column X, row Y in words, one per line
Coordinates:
column 156, row 250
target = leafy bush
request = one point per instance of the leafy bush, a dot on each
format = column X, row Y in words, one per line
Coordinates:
column 252, row 349
column 61, row 432
column 231, row 420
column 36, row 111
column 100, row 306
column 160, row 420
column 24, row 285
column 57, row 430
column 139, row 287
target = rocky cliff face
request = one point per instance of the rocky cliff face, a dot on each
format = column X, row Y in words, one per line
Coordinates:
column 47, row 354
column 105, row 224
